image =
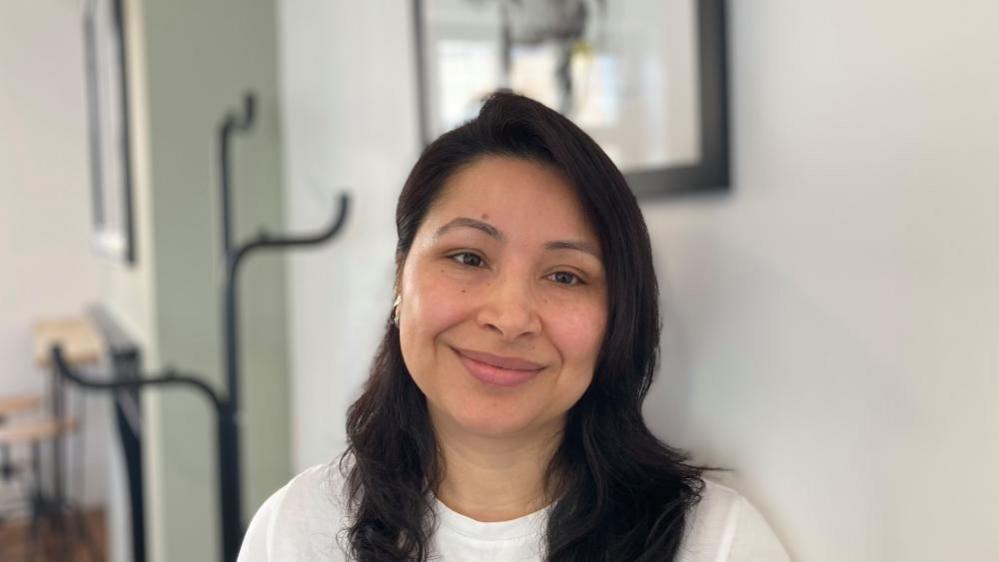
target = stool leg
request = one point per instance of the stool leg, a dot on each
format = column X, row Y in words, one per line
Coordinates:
column 36, row 502
column 59, row 524
column 6, row 467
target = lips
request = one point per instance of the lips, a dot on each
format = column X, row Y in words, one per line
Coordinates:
column 496, row 370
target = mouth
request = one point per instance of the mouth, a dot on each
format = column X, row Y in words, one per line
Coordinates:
column 496, row 370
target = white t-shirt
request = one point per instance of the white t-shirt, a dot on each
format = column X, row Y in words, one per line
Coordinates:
column 302, row 522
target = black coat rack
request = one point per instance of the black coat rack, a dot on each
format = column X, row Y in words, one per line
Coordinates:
column 226, row 406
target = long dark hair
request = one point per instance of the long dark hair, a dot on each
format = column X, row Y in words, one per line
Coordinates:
column 623, row 494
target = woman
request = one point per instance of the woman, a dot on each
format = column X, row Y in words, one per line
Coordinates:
column 502, row 416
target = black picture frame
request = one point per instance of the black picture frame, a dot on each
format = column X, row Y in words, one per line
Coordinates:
column 108, row 120
column 711, row 172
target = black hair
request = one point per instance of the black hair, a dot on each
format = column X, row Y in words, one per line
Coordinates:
column 623, row 494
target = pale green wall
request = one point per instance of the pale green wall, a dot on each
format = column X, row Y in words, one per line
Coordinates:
column 192, row 60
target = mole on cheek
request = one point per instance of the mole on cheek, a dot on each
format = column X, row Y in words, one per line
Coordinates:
column 485, row 216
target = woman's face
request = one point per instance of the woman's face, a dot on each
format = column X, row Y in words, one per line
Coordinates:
column 504, row 300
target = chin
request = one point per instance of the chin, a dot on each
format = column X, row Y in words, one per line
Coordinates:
column 484, row 416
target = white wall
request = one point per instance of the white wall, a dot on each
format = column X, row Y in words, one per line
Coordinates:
column 833, row 321
column 47, row 266
column 830, row 323
column 347, row 91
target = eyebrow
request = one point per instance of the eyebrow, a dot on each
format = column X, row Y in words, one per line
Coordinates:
column 493, row 232
column 578, row 245
column 471, row 223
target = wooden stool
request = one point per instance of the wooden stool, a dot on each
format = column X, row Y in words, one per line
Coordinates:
column 34, row 431
column 10, row 405
column 80, row 346
column 79, row 341
column 17, row 404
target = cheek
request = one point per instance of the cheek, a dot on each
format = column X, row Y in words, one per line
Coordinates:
column 577, row 332
column 431, row 304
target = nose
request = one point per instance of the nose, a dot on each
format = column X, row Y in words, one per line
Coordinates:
column 509, row 308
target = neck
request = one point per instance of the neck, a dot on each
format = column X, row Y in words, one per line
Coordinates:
column 495, row 478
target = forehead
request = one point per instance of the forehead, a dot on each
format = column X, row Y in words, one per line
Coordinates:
column 515, row 195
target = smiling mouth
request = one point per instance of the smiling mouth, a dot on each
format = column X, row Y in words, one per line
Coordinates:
column 498, row 371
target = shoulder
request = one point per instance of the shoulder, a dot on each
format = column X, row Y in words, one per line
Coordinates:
column 725, row 526
column 300, row 521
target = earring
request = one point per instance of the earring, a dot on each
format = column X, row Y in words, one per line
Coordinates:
column 395, row 310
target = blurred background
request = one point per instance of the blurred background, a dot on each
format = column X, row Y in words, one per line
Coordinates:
column 830, row 316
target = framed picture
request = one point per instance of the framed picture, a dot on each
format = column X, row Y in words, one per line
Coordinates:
column 108, row 125
column 645, row 78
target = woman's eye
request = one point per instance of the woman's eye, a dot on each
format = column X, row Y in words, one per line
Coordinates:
column 565, row 278
column 467, row 258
